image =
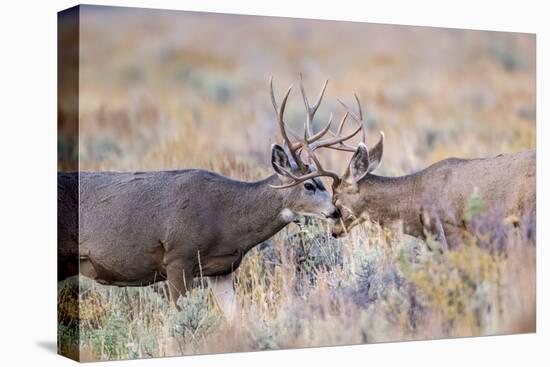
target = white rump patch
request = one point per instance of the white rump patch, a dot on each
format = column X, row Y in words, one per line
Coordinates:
column 287, row 215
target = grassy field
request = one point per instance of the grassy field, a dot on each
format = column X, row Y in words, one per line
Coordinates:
column 164, row 90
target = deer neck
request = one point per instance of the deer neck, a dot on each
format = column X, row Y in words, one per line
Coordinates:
column 260, row 212
column 389, row 199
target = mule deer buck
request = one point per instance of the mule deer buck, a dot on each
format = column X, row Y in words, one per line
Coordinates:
column 139, row 228
column 433, row 200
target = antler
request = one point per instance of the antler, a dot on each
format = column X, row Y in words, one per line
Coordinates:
column 375, row 153
column 337, row 141
column 309, row 138
column 358, row 119
column 311, row 110
column 280, row 112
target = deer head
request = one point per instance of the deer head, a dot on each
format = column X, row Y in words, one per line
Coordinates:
column 346, row 193
column 299, row 177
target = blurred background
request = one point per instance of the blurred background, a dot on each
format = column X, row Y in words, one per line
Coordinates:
column 173, row 89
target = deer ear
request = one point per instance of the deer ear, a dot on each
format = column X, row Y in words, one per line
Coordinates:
column 279, row 159
column 359, row 165
column 375, row 154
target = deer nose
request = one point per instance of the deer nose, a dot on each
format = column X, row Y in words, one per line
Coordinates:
column 337, row 232
column 335, row 214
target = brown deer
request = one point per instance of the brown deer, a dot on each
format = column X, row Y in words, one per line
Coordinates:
column 138, row 228
column 433, row 200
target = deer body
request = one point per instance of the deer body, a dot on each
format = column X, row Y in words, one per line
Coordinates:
column 163, row 217
column 434, row 200
column 144, row 227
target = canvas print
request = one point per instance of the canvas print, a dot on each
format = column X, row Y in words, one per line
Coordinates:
column 232, row 183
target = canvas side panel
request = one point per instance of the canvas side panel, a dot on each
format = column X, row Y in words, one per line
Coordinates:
column 67, row 182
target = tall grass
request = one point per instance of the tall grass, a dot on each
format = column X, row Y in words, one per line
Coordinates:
column 305, row 289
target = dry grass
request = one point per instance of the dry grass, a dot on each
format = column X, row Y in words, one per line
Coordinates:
column 177, row 90
column 372, row 287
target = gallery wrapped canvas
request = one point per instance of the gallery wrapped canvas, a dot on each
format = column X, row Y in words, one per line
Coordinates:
column 232, row 183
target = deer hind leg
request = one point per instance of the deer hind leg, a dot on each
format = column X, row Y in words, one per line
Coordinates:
column 179, row 281
column 224, row 293
column 432, row 225
column 441, row 235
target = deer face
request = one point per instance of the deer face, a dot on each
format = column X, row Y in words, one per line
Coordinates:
column 308, row 197
column 347, row 200
column 347, row 196
column 312, row 199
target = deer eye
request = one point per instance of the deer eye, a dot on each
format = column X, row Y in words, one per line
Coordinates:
column 309, row 186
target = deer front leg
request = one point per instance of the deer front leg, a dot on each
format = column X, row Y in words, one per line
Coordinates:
column 224, row 293
column 179, row 281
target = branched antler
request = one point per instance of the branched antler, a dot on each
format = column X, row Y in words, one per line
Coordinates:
column 295, row 147
column 358, row 119
column 311, row 141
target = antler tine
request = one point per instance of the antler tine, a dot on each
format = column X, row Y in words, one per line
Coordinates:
column 282, row 126
column 319, row 98
column 272, row 94
column 358, row 119
column 310, row 111
column 363, row 132
column 320, row 172
column 329, row 143
column 342, row 122
column 359, row 106
column 321, row 133
column 337, row 141
column 349, row 110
